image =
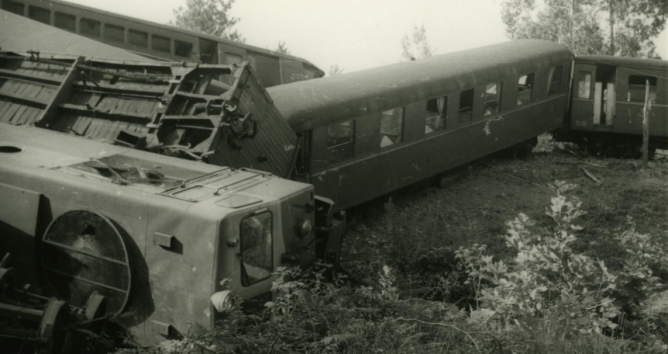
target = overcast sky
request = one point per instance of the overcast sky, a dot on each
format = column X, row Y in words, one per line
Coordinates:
column 353, row 34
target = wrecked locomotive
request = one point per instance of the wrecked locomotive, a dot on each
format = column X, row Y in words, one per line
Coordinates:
column 163, row 240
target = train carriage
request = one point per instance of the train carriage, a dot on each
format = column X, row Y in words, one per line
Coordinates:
column 162, row 42
column 374, row 131
column 156, row 236
column 608, row 99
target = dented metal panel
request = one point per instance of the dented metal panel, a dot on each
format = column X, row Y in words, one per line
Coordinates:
column 174, row 109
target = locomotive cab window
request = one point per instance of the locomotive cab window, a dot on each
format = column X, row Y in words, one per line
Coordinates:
column 340, row 141
column 554, row 83
column 391, row 127
column 637, row 85
column 584, row 84
column 493, row 98
column 89, row 27
column 257, row 261
column 465, row 106
column 435, row 117
column 524, row 89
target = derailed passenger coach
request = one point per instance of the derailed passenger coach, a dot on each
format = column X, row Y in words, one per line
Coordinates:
column 368, row 133
column 164, row 240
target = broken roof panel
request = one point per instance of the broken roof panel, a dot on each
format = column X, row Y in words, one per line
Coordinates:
column 174, row 109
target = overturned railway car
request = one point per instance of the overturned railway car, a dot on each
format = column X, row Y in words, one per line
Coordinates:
column 371, row 132
column 162, row 239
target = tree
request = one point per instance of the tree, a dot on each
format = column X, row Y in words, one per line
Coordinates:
column 615, row 27
column 209, row 17
column 282, row 48
column 335, row 70
column 417, row 46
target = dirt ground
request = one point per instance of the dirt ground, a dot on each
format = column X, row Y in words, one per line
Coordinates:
column 475, row 208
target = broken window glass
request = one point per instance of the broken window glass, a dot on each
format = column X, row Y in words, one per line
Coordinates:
column 128, row 170
column 637, row 85
column 391, row 127
column 492, row 98
column 466, row 106
column 524, row 89
column 256, row 248
column 435, row 117
column 340, row 141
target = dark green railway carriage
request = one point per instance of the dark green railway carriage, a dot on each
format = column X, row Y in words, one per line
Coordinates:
column 608, row 100
column 371, row 132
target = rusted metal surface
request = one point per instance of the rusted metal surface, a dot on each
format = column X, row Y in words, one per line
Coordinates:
column 99, row 198
column 169, row 108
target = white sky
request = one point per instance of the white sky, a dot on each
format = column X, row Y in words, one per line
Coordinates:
column 353, row 34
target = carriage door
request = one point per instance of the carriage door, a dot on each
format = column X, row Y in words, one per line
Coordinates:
column 583, row 116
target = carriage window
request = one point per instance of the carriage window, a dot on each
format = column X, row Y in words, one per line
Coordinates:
column 465, row 106
column 524, row 89
column 182, row 49
column 39, row 14
column 637, row 85
column 493, row 98
column 89, row 27
column 584, row 84
column 114, row 33
column 255, row 237
column 66, row 21
column 554, row 84
column 138, row 38
column 13, row 7
column 161, row 44
column 391, row 127
column 436, row 110
column 340, row 141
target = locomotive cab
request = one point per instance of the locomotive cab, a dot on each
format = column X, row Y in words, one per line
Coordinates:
column 164, row 240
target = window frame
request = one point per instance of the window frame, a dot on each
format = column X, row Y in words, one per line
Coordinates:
column 439, row 115
column 61, row 21
column 497, row 99
column 589, row 75
column 135, row 32
column 653, row 88
column 351, row 143
column 530, row 82
column 85, row 23
column 401, row 128
column 461, row 110
column 245, row 281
